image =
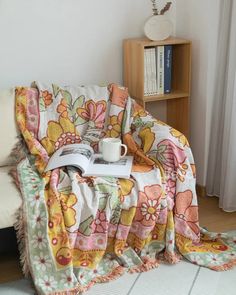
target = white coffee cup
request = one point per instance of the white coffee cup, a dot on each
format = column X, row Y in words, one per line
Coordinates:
column 110, row 148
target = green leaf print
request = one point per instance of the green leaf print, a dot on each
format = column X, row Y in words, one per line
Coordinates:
column 85, row 226
column 42, row 107
column 68, row 98
column 160, row 151
column 137, row 122
column 79, row 121
column 115, row 218
column 124, row 122
column 56, row 89
column 78, row 103
column 149, row 124
column 65, row 190
column 161, row 148
column 102, row 203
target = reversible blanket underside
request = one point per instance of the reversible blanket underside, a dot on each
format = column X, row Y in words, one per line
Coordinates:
column 76, row 231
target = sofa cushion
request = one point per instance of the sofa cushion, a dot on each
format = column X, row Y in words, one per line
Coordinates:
column 9, row 197
column 8, row 129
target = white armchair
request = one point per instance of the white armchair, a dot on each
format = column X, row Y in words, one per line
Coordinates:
column 9, row 195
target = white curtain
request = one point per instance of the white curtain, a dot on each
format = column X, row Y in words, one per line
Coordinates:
column 221, row 173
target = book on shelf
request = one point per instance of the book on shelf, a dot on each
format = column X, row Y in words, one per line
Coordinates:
column 153, row 71
column 157, row 70
column 145, row 73
column 83, row 157
column 167, row 68
column 150, row 71
column 148, row 66
column 160, row 66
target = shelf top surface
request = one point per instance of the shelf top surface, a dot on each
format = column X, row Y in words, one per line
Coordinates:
column 171, row 40
column 173, row 95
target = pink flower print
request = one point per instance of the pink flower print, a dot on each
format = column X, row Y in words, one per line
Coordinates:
column 118, row 95
column 170, row 188
column 185, row 211
column 170, row 155
column 100, row 223
column 93, row 112
column 149, row 205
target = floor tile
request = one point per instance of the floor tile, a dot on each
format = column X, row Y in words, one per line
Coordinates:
column 20, row 287
column 210, row 282
column 120, row 286
column 181, row 279
column 166, row 280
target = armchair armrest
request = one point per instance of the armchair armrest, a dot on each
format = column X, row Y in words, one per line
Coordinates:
column 159, row 142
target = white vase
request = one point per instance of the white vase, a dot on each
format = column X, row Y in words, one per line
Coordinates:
column 158, row 27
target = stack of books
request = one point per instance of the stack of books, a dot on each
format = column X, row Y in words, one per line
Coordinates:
column 157, row 70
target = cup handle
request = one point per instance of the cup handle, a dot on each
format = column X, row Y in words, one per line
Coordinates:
column 125, row 152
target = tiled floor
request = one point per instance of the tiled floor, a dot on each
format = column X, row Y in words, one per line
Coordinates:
column 181, row 279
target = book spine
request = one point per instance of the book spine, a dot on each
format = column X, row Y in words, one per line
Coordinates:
column 160, row 79
column 145, row 73
column 149, row 71
column 167, row 68
column 157, row 70
column 154, row 73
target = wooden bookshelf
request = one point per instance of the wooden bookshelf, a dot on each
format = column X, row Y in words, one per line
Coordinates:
column 178, row 100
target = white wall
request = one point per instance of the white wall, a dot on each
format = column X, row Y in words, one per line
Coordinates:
column 198, row 21
column 80, row 42
column 67, row 41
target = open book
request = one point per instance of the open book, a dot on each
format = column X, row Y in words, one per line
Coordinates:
column 83, row 157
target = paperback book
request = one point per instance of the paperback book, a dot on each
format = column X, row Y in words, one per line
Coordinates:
column 83, row 157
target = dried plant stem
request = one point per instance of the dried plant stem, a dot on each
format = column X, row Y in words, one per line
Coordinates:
column 154, row 7
column 166, row 8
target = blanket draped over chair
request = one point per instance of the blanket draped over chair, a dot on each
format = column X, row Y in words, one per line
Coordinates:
column 77, row 231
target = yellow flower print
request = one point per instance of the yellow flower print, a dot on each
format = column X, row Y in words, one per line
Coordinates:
column 20, row 91
column 139, row 111
column 59, row 134
column 147, row 137
column 126, row 186
column 67, row 203
column 127, row 216
column 136, row 151
column 119, row 247
column 182, row 139
column 114, row 125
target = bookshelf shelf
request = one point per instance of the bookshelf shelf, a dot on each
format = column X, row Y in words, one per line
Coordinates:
column 178, row 100
column 173, row 95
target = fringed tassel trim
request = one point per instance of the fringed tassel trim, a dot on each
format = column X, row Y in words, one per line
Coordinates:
column 225, row 266
column 20, row 234
column 147, row 264
column 74, row 291
column 117, row 272
column 172, row 258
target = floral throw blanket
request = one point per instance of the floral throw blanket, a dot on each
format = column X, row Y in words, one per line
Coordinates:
column 76, row 231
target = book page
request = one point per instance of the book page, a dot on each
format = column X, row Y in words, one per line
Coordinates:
column 77, row 155
column 99, row 167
